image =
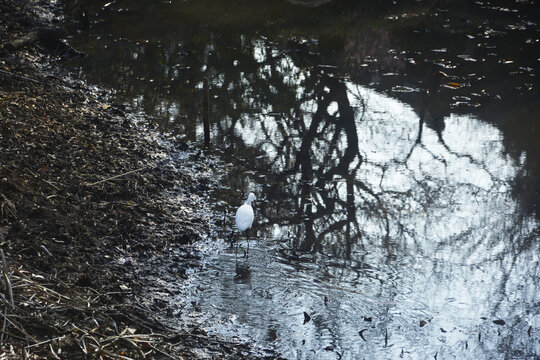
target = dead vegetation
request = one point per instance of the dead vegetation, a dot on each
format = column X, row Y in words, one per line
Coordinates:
column 73, row 324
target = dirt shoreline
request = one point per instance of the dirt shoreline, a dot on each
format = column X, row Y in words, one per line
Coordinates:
column 88, row 198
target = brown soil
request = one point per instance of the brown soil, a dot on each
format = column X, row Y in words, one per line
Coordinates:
column 87, row 198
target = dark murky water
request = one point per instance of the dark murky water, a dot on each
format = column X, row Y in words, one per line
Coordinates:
column 393, row 149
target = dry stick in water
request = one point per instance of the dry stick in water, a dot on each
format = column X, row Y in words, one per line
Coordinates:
column 114, row 177
column 206, row 112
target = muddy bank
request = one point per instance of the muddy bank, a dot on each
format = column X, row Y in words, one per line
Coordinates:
column 89, row 200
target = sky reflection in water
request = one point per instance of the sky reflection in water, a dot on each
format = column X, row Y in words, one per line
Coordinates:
column 394, row 191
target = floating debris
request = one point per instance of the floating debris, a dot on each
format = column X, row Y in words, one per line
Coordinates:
column 307, row 318
column 404, row 89
column 361, row 333
column 452, row 85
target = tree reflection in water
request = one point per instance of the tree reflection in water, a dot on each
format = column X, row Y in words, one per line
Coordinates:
column 372, row 193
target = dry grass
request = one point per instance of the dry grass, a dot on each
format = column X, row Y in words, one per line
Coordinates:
column 74, row 323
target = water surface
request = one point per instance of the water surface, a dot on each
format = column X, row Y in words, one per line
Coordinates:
column 393, row 150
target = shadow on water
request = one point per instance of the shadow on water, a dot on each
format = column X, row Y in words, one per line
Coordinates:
column 393, row 147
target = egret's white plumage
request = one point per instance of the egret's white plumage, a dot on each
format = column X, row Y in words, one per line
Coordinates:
column 244, row 214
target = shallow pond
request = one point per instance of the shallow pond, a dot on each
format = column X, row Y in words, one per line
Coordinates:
column 393, row 149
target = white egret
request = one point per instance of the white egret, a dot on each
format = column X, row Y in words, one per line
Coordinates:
column 244, row 217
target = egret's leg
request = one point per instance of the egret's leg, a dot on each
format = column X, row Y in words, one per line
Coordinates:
column 231, row 239
column 236, row 248
column 247, row 236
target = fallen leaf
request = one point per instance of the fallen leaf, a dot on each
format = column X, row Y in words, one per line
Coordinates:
column 452, row 85
column 361, row 333
column 307, row 318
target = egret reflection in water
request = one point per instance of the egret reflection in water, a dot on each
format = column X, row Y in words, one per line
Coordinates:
column 395, row 157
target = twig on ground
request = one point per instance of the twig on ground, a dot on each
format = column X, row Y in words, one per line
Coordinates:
column 114, row 177
column 161, row 352
column 9, row 205
column 7, row 282
column 9, row 73
column 4, row 326
column 53, row 352
column 45, row 342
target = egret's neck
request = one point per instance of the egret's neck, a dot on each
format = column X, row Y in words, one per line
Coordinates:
column 250, row 199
